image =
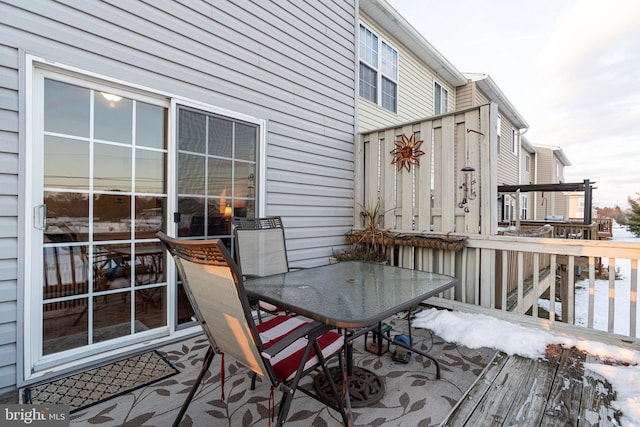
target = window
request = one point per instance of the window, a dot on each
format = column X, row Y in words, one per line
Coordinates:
column 524, row 206
column 440, row 99
column 514, row 142
column 506, row 214
column 378, row 71
column 216, row 172
column 527, row 163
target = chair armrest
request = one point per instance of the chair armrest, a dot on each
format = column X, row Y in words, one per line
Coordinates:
column 312, row 329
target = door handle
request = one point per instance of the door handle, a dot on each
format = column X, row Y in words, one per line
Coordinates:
column 40, row 217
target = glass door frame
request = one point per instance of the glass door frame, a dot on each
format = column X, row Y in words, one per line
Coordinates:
column 29, row 314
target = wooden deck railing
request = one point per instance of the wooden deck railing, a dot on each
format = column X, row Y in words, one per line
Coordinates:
column 483, row 287
column 450, row 188
column 605, row 228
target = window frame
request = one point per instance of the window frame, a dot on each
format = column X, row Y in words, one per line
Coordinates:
column 381, row 76
column 33, row 363
column 440, row 95
column 499, row 132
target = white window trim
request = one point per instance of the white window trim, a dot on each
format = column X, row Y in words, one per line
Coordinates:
column 378, row 70
column 442, row 88
column 499, row 133
column 28, row 353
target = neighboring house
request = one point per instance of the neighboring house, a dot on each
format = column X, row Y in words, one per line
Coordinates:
column 527, row 176
column 120, row 120
column 402, row 77
column 575, row 201
column 550, row 164
column 481, row 89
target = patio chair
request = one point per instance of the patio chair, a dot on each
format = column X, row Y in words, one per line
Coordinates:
column 260, row 250
column 284, row 349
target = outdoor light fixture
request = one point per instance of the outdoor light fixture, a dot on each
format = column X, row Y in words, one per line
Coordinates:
column 110, row 97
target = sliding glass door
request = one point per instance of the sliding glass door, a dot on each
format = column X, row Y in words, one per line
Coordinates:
column 100, row 189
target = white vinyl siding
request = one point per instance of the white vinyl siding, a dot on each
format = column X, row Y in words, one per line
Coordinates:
column 292, row 65
column 508, row 163
column 415, row 88
column 9, row 223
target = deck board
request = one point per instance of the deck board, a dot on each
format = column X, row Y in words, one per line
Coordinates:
column 554, row 391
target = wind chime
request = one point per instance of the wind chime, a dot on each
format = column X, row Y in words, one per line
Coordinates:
column 468, row 180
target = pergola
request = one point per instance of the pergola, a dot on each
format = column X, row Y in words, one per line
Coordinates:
column 586, row 186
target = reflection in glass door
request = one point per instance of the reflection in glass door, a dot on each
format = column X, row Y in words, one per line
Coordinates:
column 216, row 178
column 104, row 197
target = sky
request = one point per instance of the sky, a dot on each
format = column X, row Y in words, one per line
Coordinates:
column 571, row 68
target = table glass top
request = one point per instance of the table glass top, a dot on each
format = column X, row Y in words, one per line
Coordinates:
column 349, row 294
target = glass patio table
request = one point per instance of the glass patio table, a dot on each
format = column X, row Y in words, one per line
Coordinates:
column 355, row 296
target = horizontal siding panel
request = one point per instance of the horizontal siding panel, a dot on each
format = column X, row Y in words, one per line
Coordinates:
column 8, row 184
column 8, row 99
column 464, row 96
column 8, row 248
column 304, row 223
column 8, row 333
column 8, row 163
column 8, row 270
column 372, row 116
column 243, row 87
column 7, row 378
column 8, row 311
column 325, row 244
column 291, row 152
column 9, row 120
column 317, row 142
column 242, row 22
column 8, row 78
column 8, row 57
column 301, row 200
column 308, row 190
column 276, row 175
column 8, row 205
column 8, row 227
column 8, row 290
column 481, row 98
column 318, row 171
column 314, row 232
column 277, row 208
column 241, row 34
column 7, row 357
column 155, row 55
column 285, row 27
column 8, row 142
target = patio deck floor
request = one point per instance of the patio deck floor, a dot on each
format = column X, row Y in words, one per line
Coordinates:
column 413, row 396
column 479, row 387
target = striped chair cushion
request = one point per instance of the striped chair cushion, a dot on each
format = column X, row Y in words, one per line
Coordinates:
column 287, row 361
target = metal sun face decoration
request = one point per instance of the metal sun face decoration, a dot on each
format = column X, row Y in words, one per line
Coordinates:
column 407, row 152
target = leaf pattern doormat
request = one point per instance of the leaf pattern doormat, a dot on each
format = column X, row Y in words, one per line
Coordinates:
column 88, row 388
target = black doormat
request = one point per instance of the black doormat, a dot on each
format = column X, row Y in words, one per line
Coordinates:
column 96, row 385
